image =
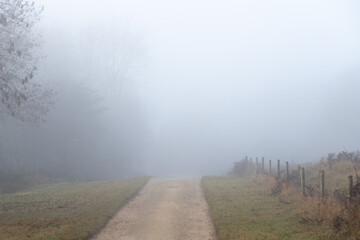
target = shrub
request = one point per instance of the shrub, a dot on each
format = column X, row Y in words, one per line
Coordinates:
column 243, row 168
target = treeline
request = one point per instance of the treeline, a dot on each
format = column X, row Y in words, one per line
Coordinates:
column 71, row 115
column 79, row 140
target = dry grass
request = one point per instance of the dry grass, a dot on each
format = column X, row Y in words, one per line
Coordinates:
column 264, row 208
column 310, row 209
column 244, row 208
column 63, row 211
column 348, row 223
column 335, row 177
column 334, row 212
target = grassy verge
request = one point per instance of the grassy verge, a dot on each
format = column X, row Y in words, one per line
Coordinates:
column 63, row 211
column 242, row 209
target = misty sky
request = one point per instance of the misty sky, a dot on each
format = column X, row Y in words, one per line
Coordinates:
column 222, row 79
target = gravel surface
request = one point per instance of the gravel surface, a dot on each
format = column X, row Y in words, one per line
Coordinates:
column 165, row 209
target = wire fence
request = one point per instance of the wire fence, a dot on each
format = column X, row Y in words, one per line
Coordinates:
column 284, row 173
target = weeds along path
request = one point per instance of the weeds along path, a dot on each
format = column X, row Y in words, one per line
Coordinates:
column 165, row 209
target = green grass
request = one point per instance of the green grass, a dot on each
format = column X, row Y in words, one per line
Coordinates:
column 242, row 209
column 63, row 211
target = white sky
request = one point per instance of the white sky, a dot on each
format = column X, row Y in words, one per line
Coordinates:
column 264, row 77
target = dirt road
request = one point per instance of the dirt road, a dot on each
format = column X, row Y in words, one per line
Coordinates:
column 165, row 209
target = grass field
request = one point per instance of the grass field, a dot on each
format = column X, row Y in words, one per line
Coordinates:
column 63, row 211
column 242, row 209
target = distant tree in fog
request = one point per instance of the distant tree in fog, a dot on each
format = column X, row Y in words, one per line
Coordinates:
column 95, row 130
column 20, row 96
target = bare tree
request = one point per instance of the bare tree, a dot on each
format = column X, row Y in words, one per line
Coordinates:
column 20, row 97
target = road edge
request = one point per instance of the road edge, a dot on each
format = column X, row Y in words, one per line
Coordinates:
column 127, row 200
column 209, row 210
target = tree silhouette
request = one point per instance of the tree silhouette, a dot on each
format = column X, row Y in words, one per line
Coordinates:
column 19, row 96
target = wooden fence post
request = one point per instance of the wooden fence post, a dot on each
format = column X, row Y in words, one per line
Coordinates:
column 278, row 168
column 322, row 183
column 262, row 165
column 302, row 176
column 269, row 167
column 287, row 170
column 257, row 166
column 350, row 178
column 251, row 165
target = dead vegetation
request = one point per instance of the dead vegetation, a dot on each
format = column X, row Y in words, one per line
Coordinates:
column 338, row 211
column 243, row 168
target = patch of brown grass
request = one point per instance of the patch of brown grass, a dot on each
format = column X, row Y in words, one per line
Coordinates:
column 311, row 209
column 341, row 219
column 63, row 211
column 347, row 225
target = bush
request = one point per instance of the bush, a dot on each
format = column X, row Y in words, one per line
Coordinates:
column 243, row 168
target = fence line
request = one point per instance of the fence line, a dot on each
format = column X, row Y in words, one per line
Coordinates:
column 261, row 170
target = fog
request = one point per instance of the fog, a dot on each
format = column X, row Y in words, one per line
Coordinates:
column 186, row 88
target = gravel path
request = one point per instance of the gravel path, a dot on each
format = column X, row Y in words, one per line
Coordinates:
column 165, row 209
